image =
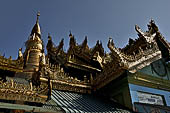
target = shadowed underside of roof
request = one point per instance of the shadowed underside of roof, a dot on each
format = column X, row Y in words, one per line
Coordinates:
column 74, row 102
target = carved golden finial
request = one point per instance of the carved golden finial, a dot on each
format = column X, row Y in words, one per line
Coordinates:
column 152, row 21
column 70, row 35
column 49, row 36
column 110, row 42
column 110, row 39
column 36, row 28
column 20, row 55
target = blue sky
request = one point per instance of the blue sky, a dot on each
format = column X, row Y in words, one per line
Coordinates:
column 96, row 19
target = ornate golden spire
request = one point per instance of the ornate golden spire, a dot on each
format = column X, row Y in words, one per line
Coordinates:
column 36, row 28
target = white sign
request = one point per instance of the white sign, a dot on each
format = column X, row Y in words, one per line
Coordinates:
column 150, row 98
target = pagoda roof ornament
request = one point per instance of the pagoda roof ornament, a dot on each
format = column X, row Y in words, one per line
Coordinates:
column 49, row 36
column 36, row 28
column 70, row 35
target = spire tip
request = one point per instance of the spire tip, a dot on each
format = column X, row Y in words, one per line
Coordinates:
column 38, row 14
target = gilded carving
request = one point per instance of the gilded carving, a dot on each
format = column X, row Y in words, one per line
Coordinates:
column 79, row 69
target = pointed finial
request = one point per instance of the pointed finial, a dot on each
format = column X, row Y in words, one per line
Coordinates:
column 152, row 19
column 36, row 28
column 97, row 43
column 110, row 42
column 70, row 35
column 38, row 14
column 49, row 37
column 85, row 37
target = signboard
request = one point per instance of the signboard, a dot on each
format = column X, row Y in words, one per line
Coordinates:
column 150, row 98
column 149, row 108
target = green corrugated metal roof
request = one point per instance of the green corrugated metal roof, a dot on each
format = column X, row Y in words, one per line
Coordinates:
column 84, row 103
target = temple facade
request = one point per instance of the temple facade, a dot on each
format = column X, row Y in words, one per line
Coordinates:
column 135, row 78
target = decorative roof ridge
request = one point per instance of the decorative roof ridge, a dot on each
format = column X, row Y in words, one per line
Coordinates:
column 11, row 65
column 24, row 92
column 129, row 61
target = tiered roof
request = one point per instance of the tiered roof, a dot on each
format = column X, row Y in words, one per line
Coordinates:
column 80, row 69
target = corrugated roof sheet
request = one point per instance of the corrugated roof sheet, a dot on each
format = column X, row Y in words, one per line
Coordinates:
column 84, row 103
column 52, row 105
